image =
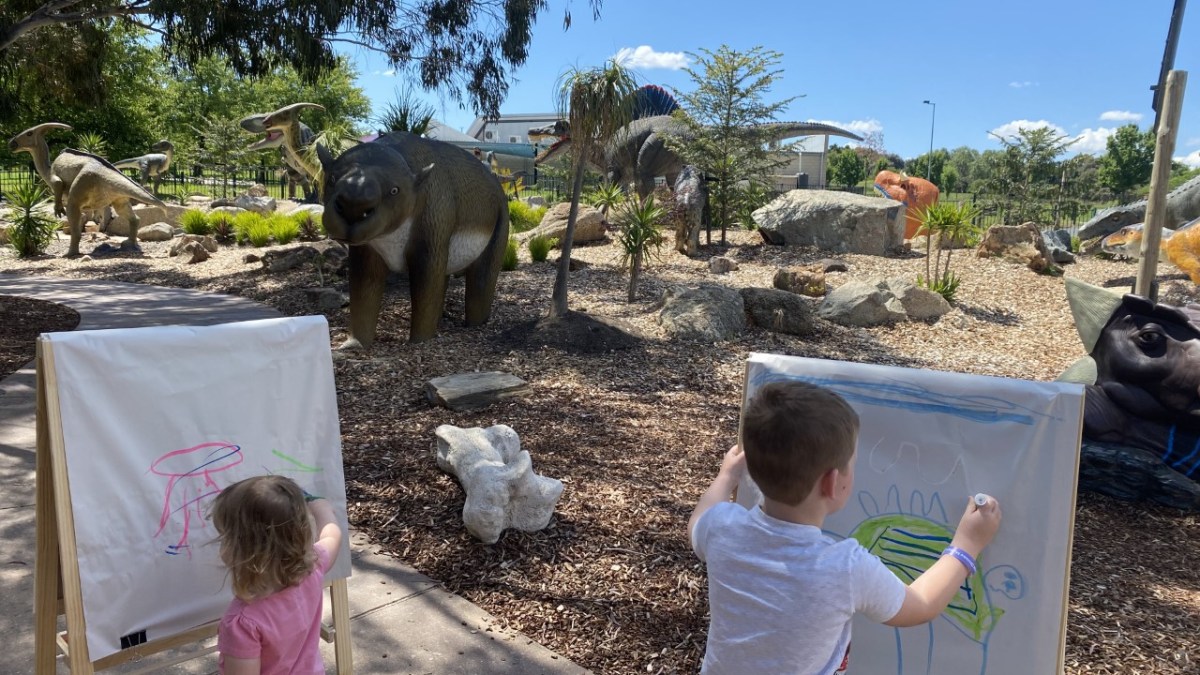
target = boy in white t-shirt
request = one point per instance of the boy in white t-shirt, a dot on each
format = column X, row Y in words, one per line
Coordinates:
column 781, row 594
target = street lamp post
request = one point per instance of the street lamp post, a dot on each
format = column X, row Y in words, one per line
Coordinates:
column 929, row 159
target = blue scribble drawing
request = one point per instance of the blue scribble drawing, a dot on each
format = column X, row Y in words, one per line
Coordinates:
column 914, row 398
column 909, row 541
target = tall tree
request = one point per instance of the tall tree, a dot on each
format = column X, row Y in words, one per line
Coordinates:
column 464, row 47
column 596, row 102
column 844, row 167
column 724, row 117
column 1028, row 175
column 1129, row 160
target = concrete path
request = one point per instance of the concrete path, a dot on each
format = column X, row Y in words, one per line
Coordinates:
column 400, row 620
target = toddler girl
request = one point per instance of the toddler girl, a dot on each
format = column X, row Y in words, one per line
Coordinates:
column 265, row 526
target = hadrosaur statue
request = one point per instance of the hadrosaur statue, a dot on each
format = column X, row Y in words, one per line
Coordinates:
column 286, row 121
column 410, row 204
column 152, row 166
column 916, row 193
column 296, row 174
column 85, row 181
column 1183, row 205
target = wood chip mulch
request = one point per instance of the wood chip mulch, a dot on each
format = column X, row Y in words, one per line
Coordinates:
column 636, row 434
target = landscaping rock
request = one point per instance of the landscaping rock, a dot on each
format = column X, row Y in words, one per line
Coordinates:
column 920, row 304
column 156, row 232
column 1059, row 252
column 283, row 259
column 801, row 281
column 704, row 314
column 834, row 221
column 862, row 303
column 146, row 213
column 721, row 265
column 193, row 252
column 589, row 224
column 497, row 475
column 258, row 204
column 534, row 200
column 326, row 298
column 1018, row 243
column 231, row 210
column 204, row 240
column 778, row 311
column 474, row 391
column 830, row 265
column 317, row 210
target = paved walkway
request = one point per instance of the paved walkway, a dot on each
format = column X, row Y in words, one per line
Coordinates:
column 400, row 620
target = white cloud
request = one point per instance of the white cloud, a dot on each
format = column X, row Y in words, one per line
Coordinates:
column 860, row 127
column 1192, row 160
column 1022, row 85
column 645, row 58
column 1011, row 129
column 1092, row 141
column 386, row 73
column 1120, row 116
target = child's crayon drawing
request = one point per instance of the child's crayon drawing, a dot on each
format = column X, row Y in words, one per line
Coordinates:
column 190, row 482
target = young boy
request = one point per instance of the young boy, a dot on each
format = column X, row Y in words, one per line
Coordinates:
column 781, row 594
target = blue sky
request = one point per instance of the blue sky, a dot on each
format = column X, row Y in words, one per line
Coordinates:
column 1084, row 68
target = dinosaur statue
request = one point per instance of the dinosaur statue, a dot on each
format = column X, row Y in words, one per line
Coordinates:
column 154, row 165
column 274, row 139
column 1181, row 247
column 1183, row 204
column 87, row 182
column 286, row 120
column 639, row 151
column 916, row 193
column 409, row 204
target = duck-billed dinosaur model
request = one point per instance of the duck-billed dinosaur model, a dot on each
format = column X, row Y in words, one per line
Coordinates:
column 153, row 166
column 286, row 121
column 1181, row 247
column 296, row 174
column 85, row 181
column 1183, row 204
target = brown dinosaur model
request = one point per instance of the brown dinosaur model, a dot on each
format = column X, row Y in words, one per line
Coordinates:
column 410, row 204
column 85, row 181
column 1181, row 247
column 286, row 120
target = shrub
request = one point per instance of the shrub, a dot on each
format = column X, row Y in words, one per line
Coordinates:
column 539, row 247
column 523, row 217
column 221, row 224
column 510, row 256
column 945, row 222
column 605, row 197
column 259, row 232
column 284, row 229
column 311, row 228
column 640, row 237
column 32, row 230
column 945, row 286
column 195, row 221
column 242, row 223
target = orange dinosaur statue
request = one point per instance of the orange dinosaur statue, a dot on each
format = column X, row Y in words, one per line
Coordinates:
column 1181, row 247
column 916, row 193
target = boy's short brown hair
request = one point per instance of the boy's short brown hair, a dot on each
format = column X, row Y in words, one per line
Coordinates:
column 792, row 433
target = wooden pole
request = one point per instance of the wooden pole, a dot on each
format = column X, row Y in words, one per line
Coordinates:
column 1156, row 202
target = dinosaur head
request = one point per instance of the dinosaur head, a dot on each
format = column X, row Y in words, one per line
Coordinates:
column 287, row 116
column 559, row 149
column 1111, row 220
column 550, row 132
column 163, row 146
column 27, row 140
column 370, row 190
column 254, row 124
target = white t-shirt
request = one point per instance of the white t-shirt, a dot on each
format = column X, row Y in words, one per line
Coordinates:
column 781, row 595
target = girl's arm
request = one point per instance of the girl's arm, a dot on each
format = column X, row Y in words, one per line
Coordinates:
column 329, row 534
column 242, row 666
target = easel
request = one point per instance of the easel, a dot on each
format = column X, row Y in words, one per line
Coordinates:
column 57, row 589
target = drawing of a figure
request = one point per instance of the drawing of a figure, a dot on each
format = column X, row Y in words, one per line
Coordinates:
column 190, row 482
column 909, row 541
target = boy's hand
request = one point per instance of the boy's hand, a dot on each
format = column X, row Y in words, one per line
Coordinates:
column 978, row 526
column 734, row 463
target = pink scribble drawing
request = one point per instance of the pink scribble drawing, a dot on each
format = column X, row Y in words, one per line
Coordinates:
column 190, row 481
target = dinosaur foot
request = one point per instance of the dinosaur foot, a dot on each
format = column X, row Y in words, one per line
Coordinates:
column 131, row 246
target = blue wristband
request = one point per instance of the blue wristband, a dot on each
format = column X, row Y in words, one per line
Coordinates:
column 962, row 557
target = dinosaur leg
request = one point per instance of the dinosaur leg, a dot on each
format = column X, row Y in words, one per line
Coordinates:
column 482, row 275
column 75, row 222
column 368, row 276
column 427, row 280
column 125, row 208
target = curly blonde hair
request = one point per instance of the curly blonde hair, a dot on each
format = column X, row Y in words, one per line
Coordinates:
column 265, row 534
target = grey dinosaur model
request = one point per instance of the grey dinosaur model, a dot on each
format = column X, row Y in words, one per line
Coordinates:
column 409, row 204
column 86, row 182
column 286, row 120
column 1183, row 205
column 296, row 174
column 639, row 151
column 152, row 166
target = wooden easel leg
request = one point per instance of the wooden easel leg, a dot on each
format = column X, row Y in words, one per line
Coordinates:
column 339, row 601
column 45, row 571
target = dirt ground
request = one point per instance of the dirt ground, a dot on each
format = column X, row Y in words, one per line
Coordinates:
column 636, row 434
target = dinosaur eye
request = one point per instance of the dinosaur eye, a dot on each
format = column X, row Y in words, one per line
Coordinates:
column 395, row 190
column 1149, row 338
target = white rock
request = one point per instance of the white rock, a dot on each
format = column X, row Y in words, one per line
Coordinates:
column 156, row 232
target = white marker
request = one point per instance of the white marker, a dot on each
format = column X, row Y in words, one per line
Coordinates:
column 981, row 499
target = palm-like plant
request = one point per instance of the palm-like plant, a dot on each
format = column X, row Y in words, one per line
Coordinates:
column 92, row 142
column 640, row 237
column 597, row 102
column 948, row 223
column 406, row 113
column 32, row 229
column 605, row 196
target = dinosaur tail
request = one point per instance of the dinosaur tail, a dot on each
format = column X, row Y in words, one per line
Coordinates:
column 131, row 163
column 783, row 130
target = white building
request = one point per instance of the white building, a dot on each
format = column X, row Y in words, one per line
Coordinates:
column 509, row 128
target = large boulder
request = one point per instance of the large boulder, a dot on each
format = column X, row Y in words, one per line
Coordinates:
column 707, row 313
column 146, row 214
column 589, row 224
column 156, row 232
column 881, row 301
column 256, row 203
column 778, row 311
column 833, row 221
column 1022, row 244
column 330, row 254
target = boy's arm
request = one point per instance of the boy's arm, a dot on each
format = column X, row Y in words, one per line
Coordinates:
column 329, row 534
column 931, row 592
column 733, row 466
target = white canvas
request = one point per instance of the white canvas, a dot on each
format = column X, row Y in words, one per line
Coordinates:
column 928, row 441
column 155, row 422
